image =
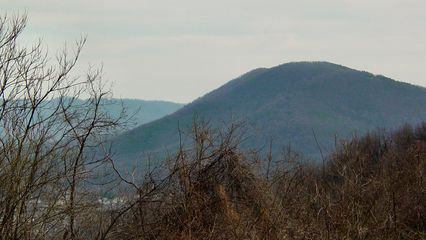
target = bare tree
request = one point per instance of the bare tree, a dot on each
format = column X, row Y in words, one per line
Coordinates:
column 51, row 124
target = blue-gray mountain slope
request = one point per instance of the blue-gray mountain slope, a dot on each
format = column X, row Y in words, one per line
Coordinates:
column 288, row 103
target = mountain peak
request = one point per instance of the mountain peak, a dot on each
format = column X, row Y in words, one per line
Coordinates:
column 289, row 101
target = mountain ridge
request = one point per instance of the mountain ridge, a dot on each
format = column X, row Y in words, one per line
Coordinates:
column 288, row 103
column 140, row 111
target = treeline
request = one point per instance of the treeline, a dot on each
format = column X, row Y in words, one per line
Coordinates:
column 372, row 187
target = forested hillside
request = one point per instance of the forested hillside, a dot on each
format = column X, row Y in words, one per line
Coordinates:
column 292, row 104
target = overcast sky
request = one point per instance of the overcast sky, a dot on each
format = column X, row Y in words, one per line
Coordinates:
column 180, row 50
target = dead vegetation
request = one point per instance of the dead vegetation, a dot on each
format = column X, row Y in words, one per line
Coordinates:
column 371, row 188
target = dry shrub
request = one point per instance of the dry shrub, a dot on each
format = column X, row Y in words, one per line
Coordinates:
column 212, row 193
column 371, row 188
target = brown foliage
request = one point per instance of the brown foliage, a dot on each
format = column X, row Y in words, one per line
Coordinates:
column 370, row 188
column 212, row 193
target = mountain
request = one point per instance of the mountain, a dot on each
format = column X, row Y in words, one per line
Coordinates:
column 141, row 111
column 305, row 104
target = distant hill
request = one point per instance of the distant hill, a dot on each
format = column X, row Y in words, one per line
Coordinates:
column 289, row 103
column 141, row 111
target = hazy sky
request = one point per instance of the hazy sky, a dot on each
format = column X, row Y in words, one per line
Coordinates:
column 180, row 50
